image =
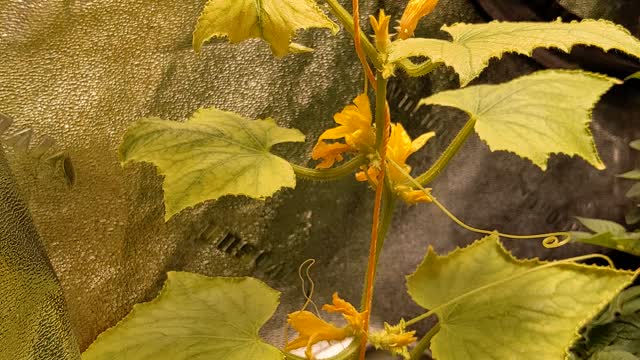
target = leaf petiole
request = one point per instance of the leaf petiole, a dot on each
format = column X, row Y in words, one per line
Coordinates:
column 331, row 174
column 424, row 343
column 448, row 153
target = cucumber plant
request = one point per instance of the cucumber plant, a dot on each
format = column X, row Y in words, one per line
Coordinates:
column 488, row 304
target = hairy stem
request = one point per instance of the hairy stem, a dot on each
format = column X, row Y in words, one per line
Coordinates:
column 330, row 174
column 448, row 153
column 357, row 41
column 347, row 21
column 382, row 127
column 424, row 343
column 388, row 205
column 386, row 215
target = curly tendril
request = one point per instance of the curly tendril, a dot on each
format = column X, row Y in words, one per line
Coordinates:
column 550, row 241
column 307, row 295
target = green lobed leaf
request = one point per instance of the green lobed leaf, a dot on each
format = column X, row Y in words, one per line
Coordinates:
column 473, row 45
column 535, row 115
column 194, row 317
column 493, row 306
column 275, row 21
column 627, row 242
column 608, row 234
column 634, row 191
column 602, row 226
column 633, row 216
column 615, row 333
column 631, row 175
column 214, row 153
column 635, row 75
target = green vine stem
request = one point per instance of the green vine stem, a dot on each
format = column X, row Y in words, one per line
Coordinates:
column 347, row 21
column 416, row 70
column 330, row 174
column 424, row 343
column 382, row 134
column 448, row 153
column 381, row 110
column 386, row 217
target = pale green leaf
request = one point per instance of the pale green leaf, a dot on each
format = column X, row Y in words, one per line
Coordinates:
column 635, row 144
column 627, row 242
column 635, row 75
column 194, row 317
column 631, row 175
column 608, row 234
column 275, row 21
column 214, row 153
column 633, row 216
column 535, row 115
column 473, row 45
column 602, row 226
column 633, row 191
column 492, row 306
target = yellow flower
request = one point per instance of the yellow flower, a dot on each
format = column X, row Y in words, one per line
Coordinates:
column 354, row 126
column 381, row 29
column 354, row 318
column 311, row 329
column 415, row 10
column 393, row 339
column 399, row 148
column 329, row 153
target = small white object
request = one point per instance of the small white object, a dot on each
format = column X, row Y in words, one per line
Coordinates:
column 325, row 349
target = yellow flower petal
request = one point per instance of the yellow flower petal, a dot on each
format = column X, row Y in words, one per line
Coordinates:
column 411, row 196
column 354, row 126
column 421, row 141
column 335, row 133
column 380, row 27
column 415, row 10
column 311, row 330
column 329, row 153
column 399, row 148
column 348, row 311
column 370, row 175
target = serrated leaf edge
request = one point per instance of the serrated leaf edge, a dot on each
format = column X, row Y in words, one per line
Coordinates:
column 164, row 291
column 485, row 64
column 504, row 251
column 169, row 214
column 600, row 165
column 197, row 46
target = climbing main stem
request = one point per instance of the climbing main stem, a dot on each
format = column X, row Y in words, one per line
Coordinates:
column 382, row 134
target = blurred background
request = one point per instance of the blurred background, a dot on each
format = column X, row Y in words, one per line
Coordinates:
column 83, row 239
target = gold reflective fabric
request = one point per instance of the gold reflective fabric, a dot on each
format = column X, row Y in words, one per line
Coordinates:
column 33, row 315
column 75, row 74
